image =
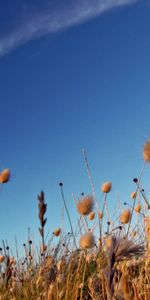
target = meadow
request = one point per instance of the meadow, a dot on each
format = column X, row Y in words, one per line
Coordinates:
column 99, row 258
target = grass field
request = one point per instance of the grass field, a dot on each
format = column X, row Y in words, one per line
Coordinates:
column 100, row 258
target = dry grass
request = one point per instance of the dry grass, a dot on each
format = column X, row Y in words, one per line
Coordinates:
column 106, row 262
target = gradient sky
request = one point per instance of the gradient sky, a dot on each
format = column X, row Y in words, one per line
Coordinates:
column 71, row 76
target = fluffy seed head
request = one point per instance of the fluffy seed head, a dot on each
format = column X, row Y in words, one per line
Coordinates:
column 57, row 232
column 146, row 151
column 87, row 241
column 4, row 176
column 133, row 195
column 91, row 215
column 100, row 215
column 138, row 208
column 85, row 205
column 125, row 216
column 2, row 258
column 106, row 187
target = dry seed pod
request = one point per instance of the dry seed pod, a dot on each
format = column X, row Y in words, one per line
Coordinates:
column 146, row 151
column 4, row 176
column 106, row 187
column 125, row 216
column 92, row 216
column 87, row 241
column 57, row 232
column 85, row 205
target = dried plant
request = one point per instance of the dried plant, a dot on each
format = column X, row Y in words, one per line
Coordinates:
column 42, row 210
column 85, row 205
column 4, row 176
column 87, row 241
column 119, row 249
column 106, row 187
column 72, row 266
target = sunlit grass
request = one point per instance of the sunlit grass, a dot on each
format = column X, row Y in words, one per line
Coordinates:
column 100, row 258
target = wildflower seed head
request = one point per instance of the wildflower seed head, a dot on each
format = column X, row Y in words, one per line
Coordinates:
column 92, row 216
column 125, row 216
column 57, row 232
column 146, row 151
column 85, row 205
column 5, row 176
column 87, row 241
column 106, row 187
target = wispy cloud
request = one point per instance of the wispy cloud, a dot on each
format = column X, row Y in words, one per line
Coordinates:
column 49, row 20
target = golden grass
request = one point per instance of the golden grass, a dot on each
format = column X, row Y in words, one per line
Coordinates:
column 100, row 260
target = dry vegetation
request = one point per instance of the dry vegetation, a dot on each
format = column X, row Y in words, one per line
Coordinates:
column 111, row 260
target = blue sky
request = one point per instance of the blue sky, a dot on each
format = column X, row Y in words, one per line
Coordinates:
column 65, row 85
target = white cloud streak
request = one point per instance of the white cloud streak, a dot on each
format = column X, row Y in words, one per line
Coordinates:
column 53, row 20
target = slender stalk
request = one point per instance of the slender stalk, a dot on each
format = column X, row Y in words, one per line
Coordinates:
column 139, row 179
column 65, row 205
